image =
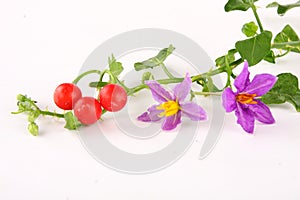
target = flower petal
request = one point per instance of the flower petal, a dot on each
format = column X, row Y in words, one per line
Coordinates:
column 262, row 112
column 261, row 84
column 242, row 80
column 158, row 92
column 151, row 116
column 228, row 100
column 171, row 122
column 193, row 111
column 182, row 89
column 245, row 118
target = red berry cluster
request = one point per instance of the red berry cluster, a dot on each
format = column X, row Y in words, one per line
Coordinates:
column 88, row 110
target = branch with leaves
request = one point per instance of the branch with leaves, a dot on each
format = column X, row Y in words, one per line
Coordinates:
column 249, row 101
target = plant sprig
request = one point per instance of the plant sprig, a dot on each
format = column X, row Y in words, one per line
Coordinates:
column 259, row 45
column 28, row 106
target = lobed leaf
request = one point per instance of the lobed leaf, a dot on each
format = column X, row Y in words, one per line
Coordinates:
column 156, row 60
column 282, row 9
column 115, row 67
column 286, row 89
column 72, row 122
column 270, row 57
column 220, row 62
column 250, row 29
column 242, row 5
column 256, row 48
column 285, row 37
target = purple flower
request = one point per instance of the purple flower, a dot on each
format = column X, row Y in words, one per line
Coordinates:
column 245, row 101
column 172, row 106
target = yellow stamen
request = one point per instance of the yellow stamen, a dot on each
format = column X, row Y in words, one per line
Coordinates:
column 246, row 98
column 170, row 108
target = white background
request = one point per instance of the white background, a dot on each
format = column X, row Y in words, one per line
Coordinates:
column 44, row 43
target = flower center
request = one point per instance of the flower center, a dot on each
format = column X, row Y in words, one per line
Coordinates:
column 170, row 108
column 246, row 98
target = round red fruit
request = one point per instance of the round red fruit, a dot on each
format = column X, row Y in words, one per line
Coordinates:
column 87, row 110
column 66, row 95
column 112, row 97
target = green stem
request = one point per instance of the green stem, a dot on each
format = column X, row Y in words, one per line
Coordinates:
column 163, row 66
column 208, row 93
column 54, row 114
column 116, row 80
column 229, row 72
column 282, row 45
column 168, row 81
column 133, row 90
column 78, row 78
column 232, row 65
column 136, row 89
column 33, row 104
column 253, row 7
column 217, row 71
column 102, row 75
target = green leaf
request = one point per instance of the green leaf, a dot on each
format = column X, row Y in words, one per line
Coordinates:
column 147, row 76
column 242, row 5
column 115, row 67
column 21, row 97
column 256, row 48
column 270, row 57
column 282, row 9
column 72, row 122
column 97, row 84
column 286, row 89
column 220, row 62
column 33, row 115
column 295, row 100
column 286, row 36
column 154, row 61
column 250, row 29
column 33, row 128
column 209, row 86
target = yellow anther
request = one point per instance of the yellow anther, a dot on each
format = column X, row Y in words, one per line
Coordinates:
column 170, row 108
column 246, row 98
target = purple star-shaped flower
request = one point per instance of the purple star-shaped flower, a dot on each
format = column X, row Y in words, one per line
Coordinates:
column 171, row 105
column 245, row 101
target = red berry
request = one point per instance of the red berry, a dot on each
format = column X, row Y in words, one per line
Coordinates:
column 112, row 97
column 87, row 110
column 66, row 95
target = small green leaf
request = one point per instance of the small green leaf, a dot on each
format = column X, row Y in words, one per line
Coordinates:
column 97, row 84
column 147, row 76
column 154, row 61
column 270, row 57
column 220, row 62
column 295, row 100
column 33, row 128
column 21, row 97
column 242, row 5
column 250, row 29
column 285, row 36
column 286, row 89
column 33, row 115
column 115, row 67
column 256, row 48
column 282, row 9
column 72, row 122
column 209, row 86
